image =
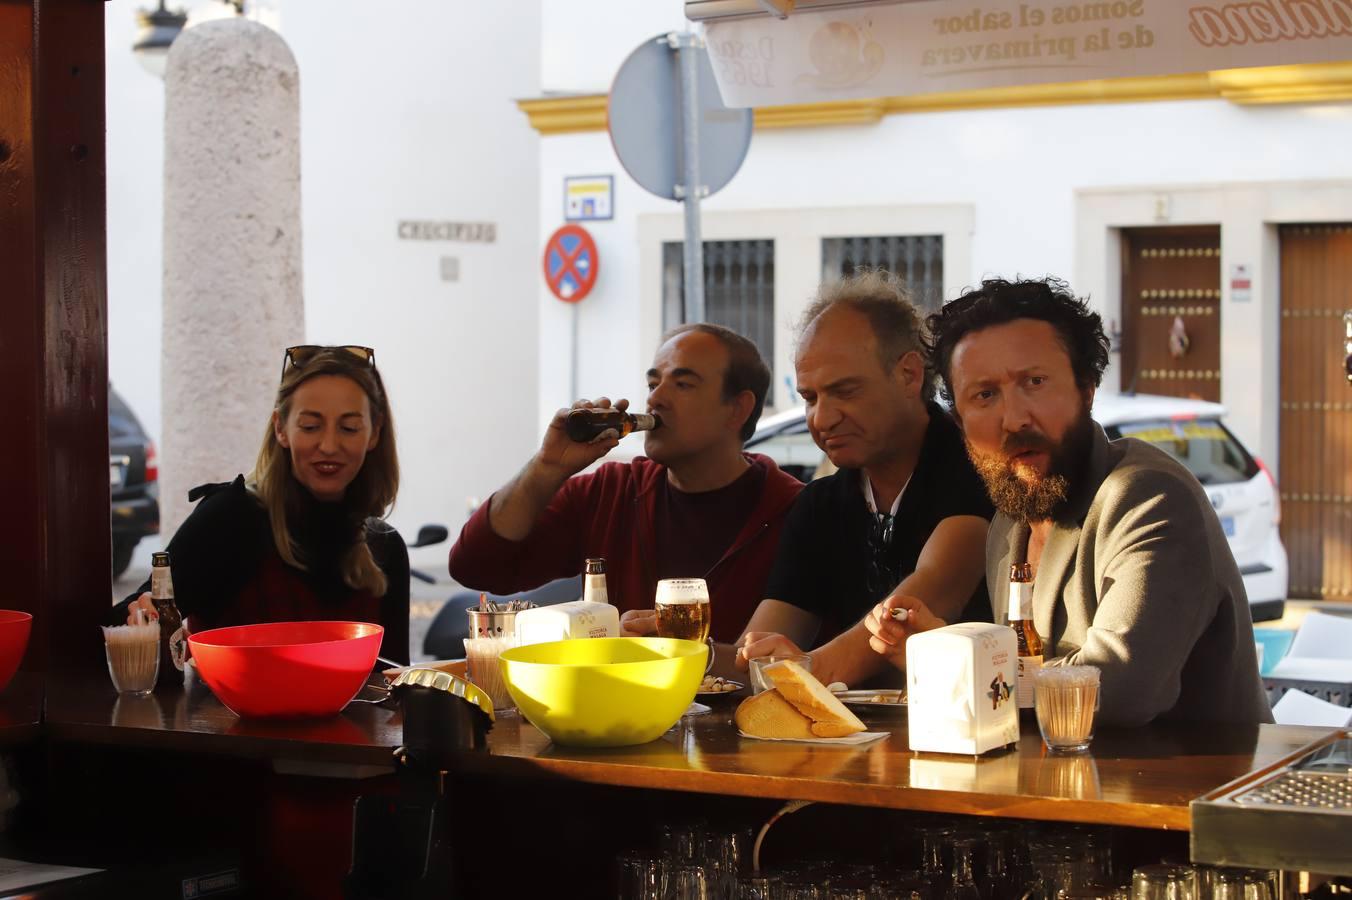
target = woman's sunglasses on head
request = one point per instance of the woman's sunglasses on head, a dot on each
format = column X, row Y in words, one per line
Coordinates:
column 298, row 357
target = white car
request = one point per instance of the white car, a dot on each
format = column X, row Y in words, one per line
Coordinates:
column 1241, row 488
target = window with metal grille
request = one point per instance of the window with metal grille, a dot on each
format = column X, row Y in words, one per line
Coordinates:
column 739, row 289
column 916, row 259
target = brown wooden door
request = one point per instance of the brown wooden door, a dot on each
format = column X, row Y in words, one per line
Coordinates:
column 1171, row 311
column 1316, row 419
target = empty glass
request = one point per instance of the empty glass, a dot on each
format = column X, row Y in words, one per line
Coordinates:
column 726, row 855
column 933, row 839
column 847, row 892
column 962, row 885
column 1088, row 892
column 683, row 843
column 1000, row 882
column 758, row 887
column 1260, row 886
column 641, row 877
column 758, row 680
column 799, row 887
column 909, row 888
column 688, row 883
column 1164, row 882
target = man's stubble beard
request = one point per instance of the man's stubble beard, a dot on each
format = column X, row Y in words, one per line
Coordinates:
column 1045, row 496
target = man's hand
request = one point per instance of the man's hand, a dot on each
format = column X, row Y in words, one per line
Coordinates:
column 565, row 457
column 891, row 622
column 763, row 643
column 638, row 623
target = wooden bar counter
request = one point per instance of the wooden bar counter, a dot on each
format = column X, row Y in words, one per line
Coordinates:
column 275, row 799
column 1142, row 777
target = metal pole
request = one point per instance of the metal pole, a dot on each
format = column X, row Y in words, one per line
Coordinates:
column 572, row 375
column 688, row 46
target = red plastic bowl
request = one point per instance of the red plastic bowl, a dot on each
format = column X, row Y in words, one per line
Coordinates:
column 14, row 629
column 287, row 669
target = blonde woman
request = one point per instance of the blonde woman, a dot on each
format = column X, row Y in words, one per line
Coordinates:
column 303, row 538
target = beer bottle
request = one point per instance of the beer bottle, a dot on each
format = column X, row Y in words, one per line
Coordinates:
column 583, row 425
column 173, row 638
column 594, row 582
column 1021, row 620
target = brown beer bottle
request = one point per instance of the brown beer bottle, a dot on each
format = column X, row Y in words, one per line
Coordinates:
column 594, row 582
column 172, row 635
column 583, row 425
column 1021, row 620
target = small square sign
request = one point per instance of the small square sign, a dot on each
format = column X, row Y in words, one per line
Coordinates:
column 588, row 198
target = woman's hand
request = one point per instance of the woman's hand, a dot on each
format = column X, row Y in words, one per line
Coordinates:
column 142, row 602
column 891, row 622
column 763, row 643
column 638, row 623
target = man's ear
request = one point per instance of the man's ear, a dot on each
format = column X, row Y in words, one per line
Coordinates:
column 278, row 431
column 742, row 405
column 911, row 370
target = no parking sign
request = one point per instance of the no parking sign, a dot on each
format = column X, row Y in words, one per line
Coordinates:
column 571, row 263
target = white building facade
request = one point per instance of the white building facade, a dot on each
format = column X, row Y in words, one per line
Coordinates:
column 435, row 147
column 1059, row 180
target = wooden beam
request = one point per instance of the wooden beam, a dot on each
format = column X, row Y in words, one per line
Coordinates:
column 55, row 541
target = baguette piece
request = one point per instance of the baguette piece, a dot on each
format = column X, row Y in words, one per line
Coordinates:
column 830, row 717
column 769, row 715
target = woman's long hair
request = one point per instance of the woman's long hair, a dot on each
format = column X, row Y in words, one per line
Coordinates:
column 371, row 493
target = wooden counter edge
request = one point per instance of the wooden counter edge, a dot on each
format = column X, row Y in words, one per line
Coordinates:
column 1083, row 810
column 235, row 746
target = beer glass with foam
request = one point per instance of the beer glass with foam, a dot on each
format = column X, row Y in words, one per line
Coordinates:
column 683, row 611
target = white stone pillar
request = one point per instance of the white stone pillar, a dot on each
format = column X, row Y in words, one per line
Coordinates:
column 232, row 250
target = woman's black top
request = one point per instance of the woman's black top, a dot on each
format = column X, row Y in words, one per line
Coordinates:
column 227, row 570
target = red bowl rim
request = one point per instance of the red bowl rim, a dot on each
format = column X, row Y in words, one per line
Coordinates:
column 197, row 638
column 10, row 616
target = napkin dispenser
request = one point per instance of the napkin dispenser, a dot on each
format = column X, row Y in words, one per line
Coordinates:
column 960, row 688
column 565, row 621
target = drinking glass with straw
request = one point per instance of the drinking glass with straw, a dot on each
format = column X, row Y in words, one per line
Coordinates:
column 133, row 655
column 1066, row 698
column 492, row 630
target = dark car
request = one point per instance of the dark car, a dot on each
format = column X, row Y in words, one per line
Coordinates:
column 133, row 475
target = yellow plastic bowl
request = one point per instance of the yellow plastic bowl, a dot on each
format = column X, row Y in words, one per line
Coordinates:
column 604, row 692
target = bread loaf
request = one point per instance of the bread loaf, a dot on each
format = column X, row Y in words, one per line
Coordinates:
column 830, row 717
column 769, row 715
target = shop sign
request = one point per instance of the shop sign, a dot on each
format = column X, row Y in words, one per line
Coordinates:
column 921, row 48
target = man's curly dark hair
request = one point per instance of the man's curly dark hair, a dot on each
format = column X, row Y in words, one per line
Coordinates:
column 999, row 301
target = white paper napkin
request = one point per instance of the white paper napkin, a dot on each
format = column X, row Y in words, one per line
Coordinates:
column 1299, row 708
column 853, row 740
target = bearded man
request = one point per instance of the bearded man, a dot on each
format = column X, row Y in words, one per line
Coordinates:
column 1132, row 571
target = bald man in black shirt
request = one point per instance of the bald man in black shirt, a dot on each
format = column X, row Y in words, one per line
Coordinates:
column 906, row 514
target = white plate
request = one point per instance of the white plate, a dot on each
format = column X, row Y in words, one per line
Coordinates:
column 873, row 700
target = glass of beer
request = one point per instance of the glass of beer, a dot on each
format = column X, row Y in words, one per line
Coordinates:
column 683, row 611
